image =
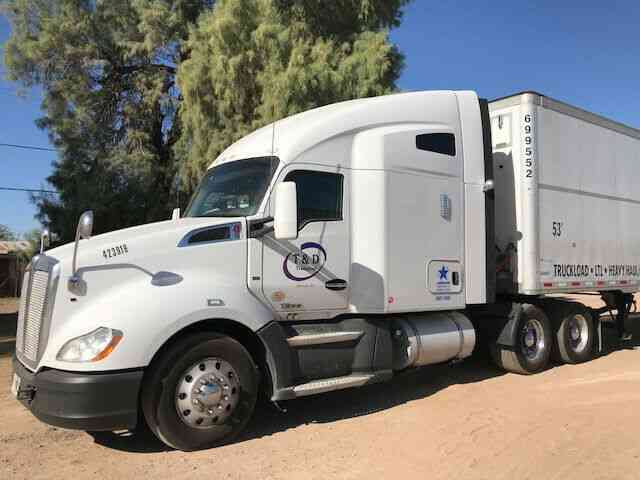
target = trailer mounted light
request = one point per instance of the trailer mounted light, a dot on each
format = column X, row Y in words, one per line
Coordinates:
column 92, row 347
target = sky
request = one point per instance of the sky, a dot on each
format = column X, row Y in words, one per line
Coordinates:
column 586, row 53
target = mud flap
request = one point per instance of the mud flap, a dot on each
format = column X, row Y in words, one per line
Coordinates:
column 508, row 335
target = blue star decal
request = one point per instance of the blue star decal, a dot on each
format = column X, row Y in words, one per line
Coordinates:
column 443, row 273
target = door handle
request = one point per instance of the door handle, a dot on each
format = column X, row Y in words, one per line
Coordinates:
column 336, row 284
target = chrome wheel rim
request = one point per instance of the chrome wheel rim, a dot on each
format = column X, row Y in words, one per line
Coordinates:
column 532, row 339
column 578, row 333
column 207, row 393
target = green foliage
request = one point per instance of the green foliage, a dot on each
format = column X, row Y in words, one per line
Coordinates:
column 107, row 69
column 137, row 91
column 6, row 234
column 342, row 19
column 253, row 62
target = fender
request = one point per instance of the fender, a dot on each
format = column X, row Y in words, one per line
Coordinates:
column 508, row 335
column 279, row 358
column 260, row 316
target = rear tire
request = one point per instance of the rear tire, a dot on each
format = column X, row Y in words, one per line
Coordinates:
column 532, row 344
column 201, row 392
column 575, row 334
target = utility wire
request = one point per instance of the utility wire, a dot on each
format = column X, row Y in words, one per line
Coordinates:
column 33, row 190
column 27, row 147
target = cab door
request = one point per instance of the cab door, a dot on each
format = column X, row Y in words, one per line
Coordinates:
column 308, row 277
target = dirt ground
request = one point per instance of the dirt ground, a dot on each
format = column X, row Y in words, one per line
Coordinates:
column 467, row 421
column 8, row 305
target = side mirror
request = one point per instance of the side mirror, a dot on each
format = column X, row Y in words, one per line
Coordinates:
column 84, row 230
column 285, row 219
column 175, row 215
column 85, row 225
column 45, row 239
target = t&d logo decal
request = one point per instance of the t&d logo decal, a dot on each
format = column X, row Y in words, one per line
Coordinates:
column 308, row 261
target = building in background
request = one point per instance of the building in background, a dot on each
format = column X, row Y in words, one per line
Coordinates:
column 13, row 260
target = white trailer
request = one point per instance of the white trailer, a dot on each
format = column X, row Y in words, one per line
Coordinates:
column 566, row 202
column 332, row 249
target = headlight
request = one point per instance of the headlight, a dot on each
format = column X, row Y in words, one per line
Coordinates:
column 91, row 347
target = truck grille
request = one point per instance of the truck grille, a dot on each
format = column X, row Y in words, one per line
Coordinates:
column 34, row 314
column 23, row 308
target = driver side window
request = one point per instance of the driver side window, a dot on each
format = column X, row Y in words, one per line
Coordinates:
column 319, row 195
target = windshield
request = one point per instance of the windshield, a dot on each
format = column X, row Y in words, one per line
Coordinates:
column 233, row 189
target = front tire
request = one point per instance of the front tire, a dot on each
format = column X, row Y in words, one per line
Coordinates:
column 201, row 392
column 532, row 343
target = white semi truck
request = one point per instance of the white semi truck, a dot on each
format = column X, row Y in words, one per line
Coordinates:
column 333, row 249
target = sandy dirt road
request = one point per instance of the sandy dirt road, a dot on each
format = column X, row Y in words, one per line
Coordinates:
column 467, row 421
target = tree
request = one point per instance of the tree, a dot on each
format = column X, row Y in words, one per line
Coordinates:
column 6, row 234
column 138, row 93
column 107, row 69
column 252, row 62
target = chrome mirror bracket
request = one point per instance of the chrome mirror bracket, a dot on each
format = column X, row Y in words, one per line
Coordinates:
column 84, row 230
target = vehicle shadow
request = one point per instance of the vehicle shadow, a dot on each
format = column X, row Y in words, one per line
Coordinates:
column 329, row 407
column 356, row 402
column 141, row 440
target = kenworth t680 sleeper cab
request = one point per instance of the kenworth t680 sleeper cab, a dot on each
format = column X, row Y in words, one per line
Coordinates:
column 332, row 249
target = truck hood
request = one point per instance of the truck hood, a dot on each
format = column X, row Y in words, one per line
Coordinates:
column 133, row 244
column 143, row 281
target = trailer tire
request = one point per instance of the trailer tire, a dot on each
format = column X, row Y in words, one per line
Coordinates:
column 532, row 343
column 201, row 392
column 575, row 334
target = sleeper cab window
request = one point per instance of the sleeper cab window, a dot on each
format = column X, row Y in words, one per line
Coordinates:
column 444, row 143
column 319, row 195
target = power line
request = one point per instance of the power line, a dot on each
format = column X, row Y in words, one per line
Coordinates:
column 33, row 190
column 27, row 147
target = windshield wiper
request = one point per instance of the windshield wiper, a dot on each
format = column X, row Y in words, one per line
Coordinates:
column 222, row 215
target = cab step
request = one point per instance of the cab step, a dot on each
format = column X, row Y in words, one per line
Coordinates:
column 322, row 338
column 330, row 384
